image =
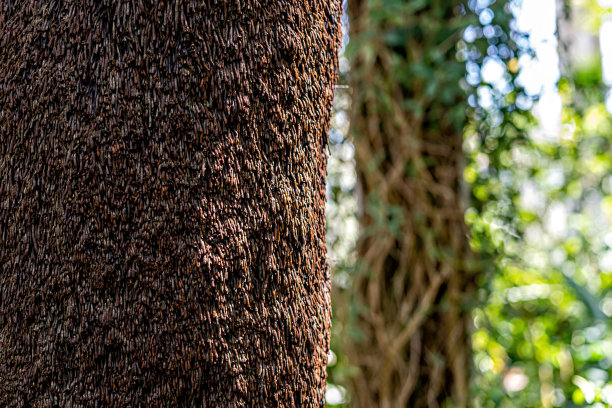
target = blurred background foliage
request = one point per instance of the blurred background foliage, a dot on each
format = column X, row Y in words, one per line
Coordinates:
column 539, row 175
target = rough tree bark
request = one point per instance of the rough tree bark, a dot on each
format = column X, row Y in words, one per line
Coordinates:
column 162, row 188
column 407, row 118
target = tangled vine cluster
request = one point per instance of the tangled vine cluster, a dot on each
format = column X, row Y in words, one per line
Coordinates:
column 415, row 276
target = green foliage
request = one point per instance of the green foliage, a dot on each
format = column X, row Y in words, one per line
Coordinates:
column 542, row 213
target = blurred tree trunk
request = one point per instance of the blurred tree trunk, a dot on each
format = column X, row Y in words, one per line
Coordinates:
column 577, row 45
column 407, row 121
column 162, row 195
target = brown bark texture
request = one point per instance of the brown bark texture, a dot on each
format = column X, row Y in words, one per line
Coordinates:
column 162, row 189
column 413, row 277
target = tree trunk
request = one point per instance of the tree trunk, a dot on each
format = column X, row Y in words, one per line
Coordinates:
column 407, row 121
column 162, row 192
